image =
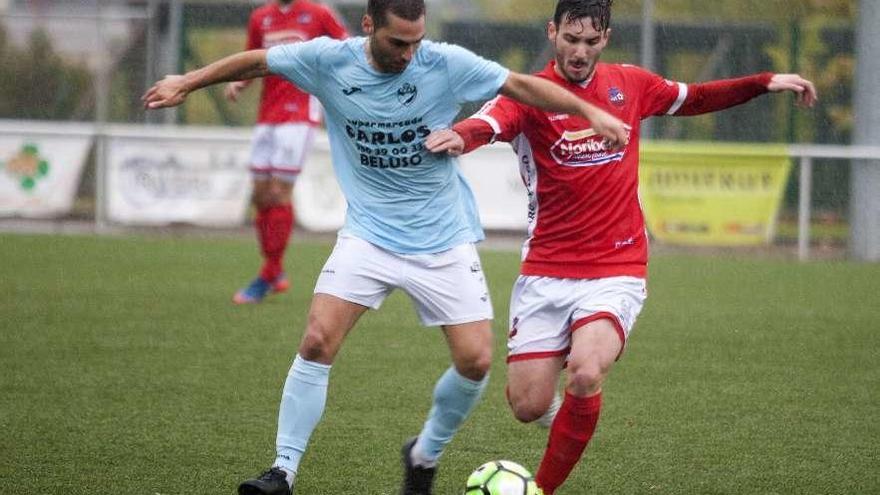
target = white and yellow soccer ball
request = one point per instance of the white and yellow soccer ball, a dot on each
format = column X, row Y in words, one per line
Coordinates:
column 501, row 478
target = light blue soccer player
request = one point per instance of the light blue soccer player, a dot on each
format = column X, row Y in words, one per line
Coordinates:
column 412, row 220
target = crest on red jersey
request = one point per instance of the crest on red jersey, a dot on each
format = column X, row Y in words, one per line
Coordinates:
column 616, row 97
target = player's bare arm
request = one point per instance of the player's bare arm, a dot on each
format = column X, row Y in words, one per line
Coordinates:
column 805, row 90
column 173, row 90
column 545, row 95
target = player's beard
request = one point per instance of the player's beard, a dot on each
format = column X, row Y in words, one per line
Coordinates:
column 576, row 73
column 384, row 62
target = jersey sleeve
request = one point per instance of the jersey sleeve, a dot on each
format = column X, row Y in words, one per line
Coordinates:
column 718, row 95
column 333, row 25
column 505, row 116
column 471, row 77
column 658, row 96
column 299, row 63
column 254, row 37
column 664, row 97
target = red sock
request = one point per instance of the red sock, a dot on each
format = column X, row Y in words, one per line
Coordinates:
column 274, row 225
column 261, row 225
column 571, row 431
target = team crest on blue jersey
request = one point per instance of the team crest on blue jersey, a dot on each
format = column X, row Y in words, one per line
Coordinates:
column 407, row 94
column 615, row 96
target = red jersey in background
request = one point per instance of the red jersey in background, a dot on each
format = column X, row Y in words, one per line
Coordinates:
column 275, row 24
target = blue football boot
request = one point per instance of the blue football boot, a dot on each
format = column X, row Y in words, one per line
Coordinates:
column 253, row 293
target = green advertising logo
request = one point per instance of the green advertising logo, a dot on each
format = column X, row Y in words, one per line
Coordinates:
column 27, row 166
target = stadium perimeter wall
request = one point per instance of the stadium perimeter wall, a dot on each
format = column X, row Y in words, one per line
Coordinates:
column 166, row 175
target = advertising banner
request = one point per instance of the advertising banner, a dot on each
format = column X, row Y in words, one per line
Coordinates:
column 712, row 194
column 40, row 172
column 179, row 176
column 494, row 176
column 318, row 200
column 491, row 171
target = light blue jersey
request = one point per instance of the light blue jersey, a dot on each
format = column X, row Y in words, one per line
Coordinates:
column 400, row 196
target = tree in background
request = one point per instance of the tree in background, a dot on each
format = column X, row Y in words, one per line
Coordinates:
column 815, row 40
column 38, row 84
column 742, row 10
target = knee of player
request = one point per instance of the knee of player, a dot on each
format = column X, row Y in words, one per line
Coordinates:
column 315, row 343
column 281, row 192
column 585, row 377
column 261, row 199
column 526, row 410
column 476, row 365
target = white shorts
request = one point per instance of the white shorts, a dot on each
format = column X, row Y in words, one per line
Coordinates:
column 544, row 311
column 447, row 288
column 280, row 150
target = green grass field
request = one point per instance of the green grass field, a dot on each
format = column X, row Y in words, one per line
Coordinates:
column 124, row 369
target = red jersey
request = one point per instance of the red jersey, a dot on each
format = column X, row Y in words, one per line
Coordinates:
column 585, row 219
column 276, row 24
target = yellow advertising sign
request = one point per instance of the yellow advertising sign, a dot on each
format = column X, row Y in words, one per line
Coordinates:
column 712, row 194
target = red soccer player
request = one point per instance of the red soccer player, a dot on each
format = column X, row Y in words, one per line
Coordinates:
column 283, row 133
column 584, row 264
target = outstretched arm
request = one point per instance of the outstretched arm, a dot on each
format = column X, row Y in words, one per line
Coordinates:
column 537, row 92
column 719, row 95
column 173, row 90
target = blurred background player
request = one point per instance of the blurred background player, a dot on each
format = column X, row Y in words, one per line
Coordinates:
column 582, row 283
column 283, row 134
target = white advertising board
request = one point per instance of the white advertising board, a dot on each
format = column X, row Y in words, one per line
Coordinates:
column 40, row 168
column 492, row 172
column 178, row 175
column 317, row 199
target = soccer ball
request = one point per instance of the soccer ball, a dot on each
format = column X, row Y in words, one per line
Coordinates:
column 501, row 478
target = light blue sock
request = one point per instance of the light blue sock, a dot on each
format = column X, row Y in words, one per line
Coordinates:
column 454, row 398
column 302, row 404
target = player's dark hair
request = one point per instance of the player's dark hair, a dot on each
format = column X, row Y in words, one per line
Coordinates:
column 409, row 10
column 599, row 11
